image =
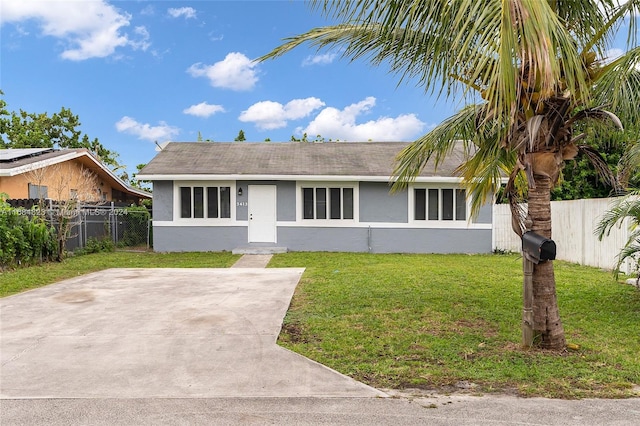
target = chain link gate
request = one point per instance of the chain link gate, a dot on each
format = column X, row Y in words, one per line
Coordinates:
column 126, row 227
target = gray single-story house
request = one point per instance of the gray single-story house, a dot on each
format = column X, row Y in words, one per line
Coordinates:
column 297, row 196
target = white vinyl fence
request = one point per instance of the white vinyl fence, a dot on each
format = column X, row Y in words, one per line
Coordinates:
column 573, row 224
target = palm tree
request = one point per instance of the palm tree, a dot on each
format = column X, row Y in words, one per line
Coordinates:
column 529, row 71
column 626, row 212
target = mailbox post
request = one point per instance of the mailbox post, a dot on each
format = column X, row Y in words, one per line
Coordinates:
column 535, row 249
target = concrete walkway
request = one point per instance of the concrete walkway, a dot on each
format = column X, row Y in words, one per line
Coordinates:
column 253, row 261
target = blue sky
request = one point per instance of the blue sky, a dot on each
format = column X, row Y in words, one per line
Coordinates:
column 136, row 72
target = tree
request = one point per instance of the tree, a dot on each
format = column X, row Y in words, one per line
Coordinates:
column 240, row 137
column 140, row 184
column 530, row 70
column 580, row 180
column 304, row 138
column 201, row 139
column 22, row 129
column 68, row 186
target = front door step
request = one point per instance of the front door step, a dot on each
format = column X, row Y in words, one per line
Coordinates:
column 259, row 250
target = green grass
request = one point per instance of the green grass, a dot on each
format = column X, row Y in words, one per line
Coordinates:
column 22, row 279
column 436, row 321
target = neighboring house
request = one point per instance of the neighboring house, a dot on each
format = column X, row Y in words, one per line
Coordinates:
column 35, row 173
column 332, row 196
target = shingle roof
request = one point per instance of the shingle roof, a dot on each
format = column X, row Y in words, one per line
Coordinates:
column 286, row 159
column 16, row 162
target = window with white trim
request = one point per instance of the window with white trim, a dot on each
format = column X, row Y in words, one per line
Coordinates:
column 327, row 202
column 439, row 204
column 211, row 202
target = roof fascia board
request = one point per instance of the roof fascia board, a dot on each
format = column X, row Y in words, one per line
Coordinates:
column 317, row 178
column 67, row 157
column 14, row 171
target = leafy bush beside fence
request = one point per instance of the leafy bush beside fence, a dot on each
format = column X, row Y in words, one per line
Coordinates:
column 136, row 227
column 24, row 239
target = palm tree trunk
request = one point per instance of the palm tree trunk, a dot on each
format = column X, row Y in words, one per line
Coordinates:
column 547, row 326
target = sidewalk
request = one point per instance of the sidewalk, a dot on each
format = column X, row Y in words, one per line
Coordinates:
column 253, row 261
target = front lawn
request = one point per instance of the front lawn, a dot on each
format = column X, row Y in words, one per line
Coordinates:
column 452, row 322
column 23, row 279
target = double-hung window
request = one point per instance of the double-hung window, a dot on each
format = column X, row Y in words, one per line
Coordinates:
column 199, row 202
column 327, row 202
column 439, row 204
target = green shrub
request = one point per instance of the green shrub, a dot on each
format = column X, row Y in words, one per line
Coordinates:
column 24, row 239
column 97, row 245
column 136, row 228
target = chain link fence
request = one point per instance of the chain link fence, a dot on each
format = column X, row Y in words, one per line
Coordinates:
column 125, row 227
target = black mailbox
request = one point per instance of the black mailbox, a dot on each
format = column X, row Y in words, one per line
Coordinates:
column 537, row 248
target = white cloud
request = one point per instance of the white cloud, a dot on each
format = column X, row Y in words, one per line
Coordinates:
column 341, row 124
column 235, row 72
column 325, row 59
column 267, row 115
column 203, row 109
column 613, row 54
column 90, row 29
column 143, row 43
column 162, row 132
column 187, row 12
column 148, row 10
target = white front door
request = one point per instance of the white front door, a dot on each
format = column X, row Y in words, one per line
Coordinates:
column 262, row 213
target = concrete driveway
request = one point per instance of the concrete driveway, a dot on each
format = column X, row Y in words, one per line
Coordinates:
column 183, row 333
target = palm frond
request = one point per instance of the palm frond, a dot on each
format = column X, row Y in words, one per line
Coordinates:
column 619, row 86
column 629, row 164
column 436, row 144
column 601, row 166
column 602, row 20
column 596, row 114
column 516, row 200
column 625, row 212
column 484, row 42
column 627, row 207
column 485, row 170
column 630, row 251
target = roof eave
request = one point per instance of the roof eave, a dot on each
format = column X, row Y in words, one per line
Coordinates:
column 72, row 155
column 317, row 178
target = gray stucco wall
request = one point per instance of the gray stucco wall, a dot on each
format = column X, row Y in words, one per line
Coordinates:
column 285, row 199
column 163, row 200
column 386, row 240
column 377, row 204
column 375, row 240
column 431, row 241
column 198, row 238
column 485, row 215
